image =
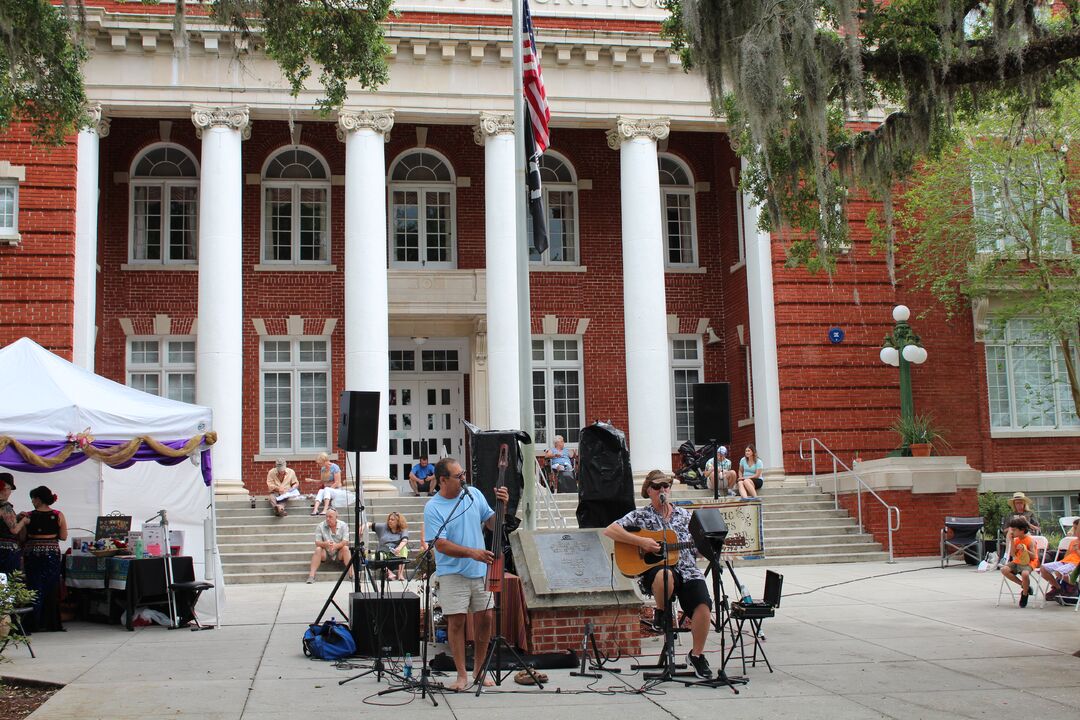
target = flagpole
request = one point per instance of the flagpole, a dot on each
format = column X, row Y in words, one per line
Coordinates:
column 522, row 254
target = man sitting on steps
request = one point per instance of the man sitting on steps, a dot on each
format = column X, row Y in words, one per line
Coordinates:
column 331, row 543
column 282, row 483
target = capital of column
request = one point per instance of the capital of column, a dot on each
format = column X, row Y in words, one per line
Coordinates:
column 492, row 124
column 96, row 120
column 381, row 121
column 628, row 128
column 234, row 117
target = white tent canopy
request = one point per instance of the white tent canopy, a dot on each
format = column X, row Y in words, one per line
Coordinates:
column 45, row 398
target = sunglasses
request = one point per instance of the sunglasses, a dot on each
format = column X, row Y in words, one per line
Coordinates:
column 460, row 476
column 660, row 486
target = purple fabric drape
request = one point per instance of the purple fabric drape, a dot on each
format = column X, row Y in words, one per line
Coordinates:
column 10, row 457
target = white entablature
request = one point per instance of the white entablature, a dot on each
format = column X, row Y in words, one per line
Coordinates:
column 438, row 73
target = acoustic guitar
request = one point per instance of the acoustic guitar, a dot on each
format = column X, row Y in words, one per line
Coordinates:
column 633, row 561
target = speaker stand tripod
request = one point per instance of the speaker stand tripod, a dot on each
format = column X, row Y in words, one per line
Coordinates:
column 591, row 660
column 721, row 624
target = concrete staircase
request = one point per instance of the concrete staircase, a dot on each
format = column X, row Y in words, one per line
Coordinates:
column 800, row 523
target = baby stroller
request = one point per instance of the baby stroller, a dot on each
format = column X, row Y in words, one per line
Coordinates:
column 692, row 471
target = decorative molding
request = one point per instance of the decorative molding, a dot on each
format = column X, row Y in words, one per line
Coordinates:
column 127, row 325
column 294, row 325
column 582, row 326
column 15, row 172
column 980, row 316
column 260, row 327
column 233, row 117
column 492, row 124
column 628, row 128
column 97, row 121
column 328, row 326
column 381, row 121
column 165, row 130
column 480, row 347
column 162, row 324
column 549, row 324
column 672, row 324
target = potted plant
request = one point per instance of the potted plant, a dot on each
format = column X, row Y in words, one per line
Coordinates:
column 919, row 434
column 993, row 508
column 13, row 594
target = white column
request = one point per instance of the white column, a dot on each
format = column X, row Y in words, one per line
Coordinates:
column 763, row 358
column 84, row 312
column 496, row 134
column 219, row 376
column 648, row 369
column 367, row 328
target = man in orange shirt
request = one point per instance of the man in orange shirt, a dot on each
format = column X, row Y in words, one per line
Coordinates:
column 1022, row 560
column 1055, row 572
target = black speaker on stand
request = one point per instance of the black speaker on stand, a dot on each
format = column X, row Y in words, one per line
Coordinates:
column 358, row 430
column 712, row 421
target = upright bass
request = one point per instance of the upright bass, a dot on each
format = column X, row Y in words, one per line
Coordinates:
column 496, row 569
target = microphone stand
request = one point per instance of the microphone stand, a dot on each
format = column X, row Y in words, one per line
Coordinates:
column 427, row 687
column 166, row 554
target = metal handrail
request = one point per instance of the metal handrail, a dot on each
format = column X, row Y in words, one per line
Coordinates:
column 545, row 500
column 860, row 484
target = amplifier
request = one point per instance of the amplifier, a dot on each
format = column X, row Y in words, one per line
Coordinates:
column 393, row 619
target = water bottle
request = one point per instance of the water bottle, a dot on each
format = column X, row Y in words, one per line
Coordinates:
column 139, row 550
column 744, row 593
column 406, row 670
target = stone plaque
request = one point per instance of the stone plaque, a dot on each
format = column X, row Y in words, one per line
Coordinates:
column 574, row 560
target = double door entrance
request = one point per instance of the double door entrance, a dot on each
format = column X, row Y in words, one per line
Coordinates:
column 425, row 416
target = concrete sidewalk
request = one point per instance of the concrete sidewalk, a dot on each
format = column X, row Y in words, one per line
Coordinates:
column 922, row 644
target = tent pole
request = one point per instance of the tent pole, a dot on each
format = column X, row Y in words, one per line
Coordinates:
column 218, row 586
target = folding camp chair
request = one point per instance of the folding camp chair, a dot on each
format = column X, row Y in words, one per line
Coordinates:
column 960, row 540
column 1066, row 524
column 1035, row 586
column 1063, row 549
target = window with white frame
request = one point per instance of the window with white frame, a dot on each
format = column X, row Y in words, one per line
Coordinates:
column 688, row 369
column 1023, row 204
column 164, row 206
column 422, row 209
column 740, row 241
column 677, row 201
column 558, row 389
column 1050, row 508
column 296, row 208
column 1026, row 378
column 561, row 206
column 162, row 366
column 9, row 208
column 295, row 394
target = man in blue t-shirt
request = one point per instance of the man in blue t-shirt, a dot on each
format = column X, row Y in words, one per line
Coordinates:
column 456, row 530
column 419, row 477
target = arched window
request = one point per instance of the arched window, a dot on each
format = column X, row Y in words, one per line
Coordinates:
column 561, row 204
column 296, row 208
column 677, row 200
column 422, row 202
column 164, row 206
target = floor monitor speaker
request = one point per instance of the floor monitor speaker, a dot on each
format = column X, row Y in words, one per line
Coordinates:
column 394, row 620
column 712, row 413
column 709, row 530
column 359, row 428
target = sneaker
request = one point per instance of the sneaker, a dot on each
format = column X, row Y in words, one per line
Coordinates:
column 1052, row 593
column 1023, row 599
column 310, row 579
column 731, row 493
column 700, row 665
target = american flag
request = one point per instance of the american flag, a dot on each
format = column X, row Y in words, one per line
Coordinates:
column 537, row 117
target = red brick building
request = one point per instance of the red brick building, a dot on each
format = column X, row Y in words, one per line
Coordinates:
column 214, row 239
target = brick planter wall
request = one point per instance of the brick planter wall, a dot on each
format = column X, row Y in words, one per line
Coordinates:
column 922, row 515
column 617, row 629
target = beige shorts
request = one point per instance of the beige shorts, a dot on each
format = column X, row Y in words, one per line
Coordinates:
column 459, row 594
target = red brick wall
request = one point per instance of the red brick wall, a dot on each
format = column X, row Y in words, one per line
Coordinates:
column 844, row 395
column 37, row 275
column 921, row 517
column 617, row 630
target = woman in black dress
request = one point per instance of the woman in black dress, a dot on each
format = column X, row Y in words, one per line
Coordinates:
column 11, row 528
column 41, row 559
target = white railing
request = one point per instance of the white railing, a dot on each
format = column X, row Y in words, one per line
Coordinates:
column 891, row 511
column 545, row 500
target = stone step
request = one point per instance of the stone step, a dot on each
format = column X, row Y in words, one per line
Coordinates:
column 817, row 539
column 800, row 522
column 785, row 549
column 812, row 532
column 775, row 561
column 767, row 515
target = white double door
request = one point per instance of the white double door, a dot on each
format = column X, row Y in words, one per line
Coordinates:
column 425, row 416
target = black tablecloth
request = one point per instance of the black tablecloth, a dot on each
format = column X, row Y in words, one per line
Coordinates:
column 146, row 586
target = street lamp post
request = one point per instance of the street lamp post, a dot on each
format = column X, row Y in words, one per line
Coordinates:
column 902, row 348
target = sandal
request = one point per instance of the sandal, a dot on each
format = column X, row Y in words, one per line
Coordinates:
column 524, row 678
